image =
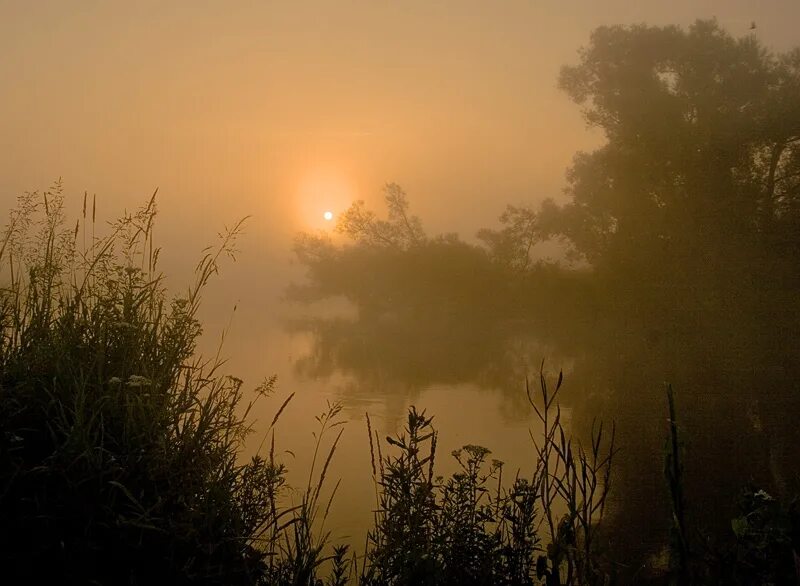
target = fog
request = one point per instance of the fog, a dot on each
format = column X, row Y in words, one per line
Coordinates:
column 437, row 116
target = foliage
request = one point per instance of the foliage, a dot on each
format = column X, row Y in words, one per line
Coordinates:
column 119, row 454
column 119, row 445
column 402, row 543
column 767, row 540
column 703, row 140
column 689, row 211
column 398, row 231
column 682, row 232
column 470, row 529
column 512, row 245
column 441, row 310
column 522, row 229
column 574, row 479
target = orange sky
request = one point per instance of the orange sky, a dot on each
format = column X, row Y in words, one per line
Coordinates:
column 283, row 109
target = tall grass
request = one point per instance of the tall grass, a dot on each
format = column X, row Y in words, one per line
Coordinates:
column 574, row 479
column 119, row 445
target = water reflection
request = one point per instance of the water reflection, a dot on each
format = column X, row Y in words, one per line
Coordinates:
column 389, row 358
column 471, row 375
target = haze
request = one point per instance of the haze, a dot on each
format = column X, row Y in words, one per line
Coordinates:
column 290, row 112
column 280, row 110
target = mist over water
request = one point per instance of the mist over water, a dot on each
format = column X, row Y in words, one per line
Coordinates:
column 608, row 191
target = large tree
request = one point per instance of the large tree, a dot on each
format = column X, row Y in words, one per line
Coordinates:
column 702, row 159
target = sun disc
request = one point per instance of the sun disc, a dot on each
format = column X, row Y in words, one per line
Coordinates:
column 328, row 216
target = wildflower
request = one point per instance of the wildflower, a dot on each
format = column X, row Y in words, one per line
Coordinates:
column 138, row 381
column 477, row 452
column 763, row 495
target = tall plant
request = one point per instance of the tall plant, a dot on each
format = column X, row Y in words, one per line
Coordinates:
column 470, row 529
column 572, row 479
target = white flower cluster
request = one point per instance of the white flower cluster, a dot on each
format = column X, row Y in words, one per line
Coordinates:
column 138, row 381
column 134, row 380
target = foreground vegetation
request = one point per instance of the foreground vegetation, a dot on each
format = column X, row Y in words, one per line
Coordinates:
column 119, row 454
column 119, row 446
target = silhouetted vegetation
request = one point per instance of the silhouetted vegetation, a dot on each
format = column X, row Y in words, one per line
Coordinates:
column 470, row 529
column 119, row 445
column 120, row 455
column 762, row 543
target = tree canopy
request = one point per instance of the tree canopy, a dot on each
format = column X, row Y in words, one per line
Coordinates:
column 702, row 159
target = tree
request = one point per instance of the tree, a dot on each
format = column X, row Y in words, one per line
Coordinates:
column 511, row 246
column 523, row 228
column 400, row 230
column 702, row 160
column 688, row 216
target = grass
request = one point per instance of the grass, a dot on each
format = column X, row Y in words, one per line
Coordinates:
column 119, row 446
column 120, row 452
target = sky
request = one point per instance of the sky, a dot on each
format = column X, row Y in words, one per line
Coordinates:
column 282, row 110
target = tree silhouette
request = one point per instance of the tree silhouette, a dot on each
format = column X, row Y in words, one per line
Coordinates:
column 702, row 159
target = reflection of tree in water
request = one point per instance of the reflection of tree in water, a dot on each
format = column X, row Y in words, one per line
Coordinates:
column 724, row 447
column 380, row 358
column 681, row 265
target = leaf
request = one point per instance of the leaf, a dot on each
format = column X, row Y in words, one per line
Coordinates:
column 739, row 526
column 394, row 442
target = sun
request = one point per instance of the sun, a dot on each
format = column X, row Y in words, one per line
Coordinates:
column 321, row 197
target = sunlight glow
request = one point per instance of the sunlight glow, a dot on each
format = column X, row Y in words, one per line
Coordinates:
column 323, row 191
